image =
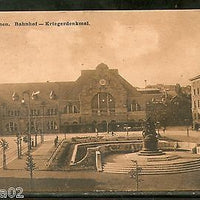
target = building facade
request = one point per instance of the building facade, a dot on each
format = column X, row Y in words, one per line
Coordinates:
column 195, row 94
column 98, row 99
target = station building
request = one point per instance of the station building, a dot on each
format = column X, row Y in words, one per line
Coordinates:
column 99, row 99
column 195, row 95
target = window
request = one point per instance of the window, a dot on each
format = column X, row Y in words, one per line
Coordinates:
column 194, row 92
column 33, row 126
column 134, row 106
column 13, row 113
column 198, row 91
column 15, row 96
column 71, row 109
column 52, row 95
column 198, row 103
column 35, row 112
column 103, row 103
column 52, row 111
column 51, row 125
column 11, row 127
column 195, row 104
column 75, row 109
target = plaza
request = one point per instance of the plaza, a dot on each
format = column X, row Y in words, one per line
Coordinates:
column 75, row 181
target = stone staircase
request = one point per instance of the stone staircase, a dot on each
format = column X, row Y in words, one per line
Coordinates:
column 153, row 169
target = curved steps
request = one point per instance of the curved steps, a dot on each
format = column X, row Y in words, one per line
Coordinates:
column 148, row 169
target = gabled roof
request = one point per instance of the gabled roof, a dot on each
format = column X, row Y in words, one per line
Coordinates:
column 195, row 78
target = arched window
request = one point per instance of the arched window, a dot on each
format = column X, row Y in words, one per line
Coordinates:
column 103, row 103
column 69, row 108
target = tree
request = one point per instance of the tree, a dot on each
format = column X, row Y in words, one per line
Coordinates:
column 134, row 173
column 30, row 165
column 180, row 107
column 4, row 145
column 171, row 110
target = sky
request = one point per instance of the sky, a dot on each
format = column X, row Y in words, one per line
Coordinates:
column 157, row 46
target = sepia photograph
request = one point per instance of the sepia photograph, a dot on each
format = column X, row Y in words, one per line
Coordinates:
column 99, row 102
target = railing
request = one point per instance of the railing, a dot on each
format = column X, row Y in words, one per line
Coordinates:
column 53, row 155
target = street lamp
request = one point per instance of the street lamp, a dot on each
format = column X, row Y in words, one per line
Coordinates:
column 126, row 128
column 29, row 119
column 19, row 146
column 187, row 122
column 158, row 127
column 43, row 114
column 107, row 127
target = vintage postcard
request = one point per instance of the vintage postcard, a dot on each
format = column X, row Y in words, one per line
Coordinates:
column 99, row 102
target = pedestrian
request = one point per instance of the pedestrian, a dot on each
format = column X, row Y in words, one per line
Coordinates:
column 175, row 146
column 56, row 141
column 96, row 130
column 164, row 129
column 112, row 133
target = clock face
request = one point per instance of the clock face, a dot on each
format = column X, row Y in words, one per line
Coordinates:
column 102, row 82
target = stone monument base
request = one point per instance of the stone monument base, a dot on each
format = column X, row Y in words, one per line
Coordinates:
column 150, row 146
column 151, row 153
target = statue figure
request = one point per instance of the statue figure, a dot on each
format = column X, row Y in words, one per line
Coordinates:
column 150, row 128
column 150, row 139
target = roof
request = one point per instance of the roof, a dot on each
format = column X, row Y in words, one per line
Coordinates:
column 45, row 88
column 195, row 78
column 148, row 90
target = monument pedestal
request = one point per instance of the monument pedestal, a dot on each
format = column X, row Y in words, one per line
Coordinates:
column 150, row 146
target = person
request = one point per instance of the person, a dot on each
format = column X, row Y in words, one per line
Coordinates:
column 96, row 130
column 56, row 141
column 112, row 133
column 164, row 129
column 175, row 146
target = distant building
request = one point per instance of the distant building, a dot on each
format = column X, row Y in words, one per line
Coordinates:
column 96, row 99
column 195, row 91
column 170, row 89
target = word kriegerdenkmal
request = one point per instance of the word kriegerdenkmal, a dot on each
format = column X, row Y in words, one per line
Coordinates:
column 69, row 23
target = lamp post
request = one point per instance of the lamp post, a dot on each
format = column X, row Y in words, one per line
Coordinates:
column 187, row 126
column 19, row 146
column 127, row 125
column 42, row 133
column 29, row 119
column 107, row 126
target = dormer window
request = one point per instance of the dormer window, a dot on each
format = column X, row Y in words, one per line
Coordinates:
column 52, row 95
column 34, row 95
column 15, row 96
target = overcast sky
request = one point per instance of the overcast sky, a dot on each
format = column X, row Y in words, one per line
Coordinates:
column 157, row 46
